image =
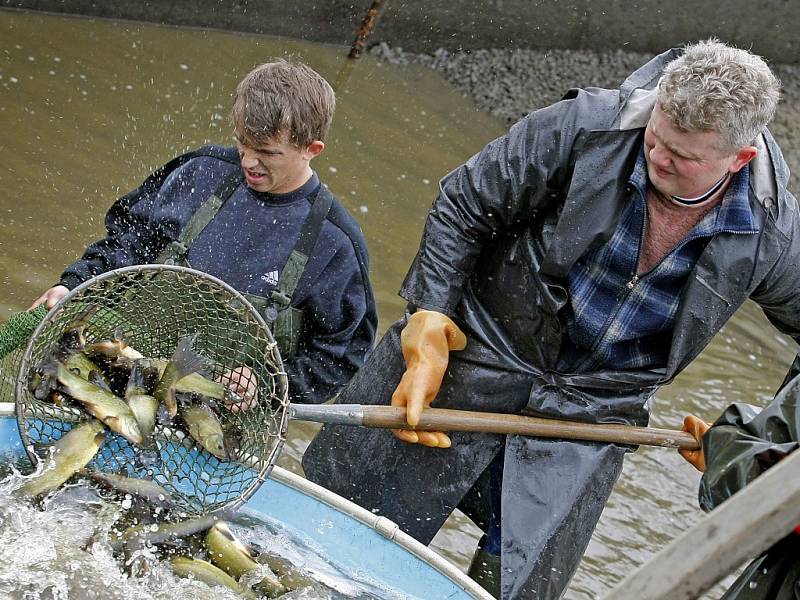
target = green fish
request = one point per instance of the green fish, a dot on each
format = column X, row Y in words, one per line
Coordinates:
column 184, row 361
column 288, row 575
column 73, row 451
column 143, row 405
column 143, row 488
column 197, row 384
column 110, row 409
column 81, row 365
column 140, row 536
column 208, row 574
column 205, row 428
column 236, row 559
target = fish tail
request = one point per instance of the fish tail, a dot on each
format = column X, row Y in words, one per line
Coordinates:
column 136, row 381
column 185, row 360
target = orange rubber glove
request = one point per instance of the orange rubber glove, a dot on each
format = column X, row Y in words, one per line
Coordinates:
column 697, row 428
column 426, row 341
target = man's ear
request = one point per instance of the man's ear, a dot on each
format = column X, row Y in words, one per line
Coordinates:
column 315, row 148
column 743, row 156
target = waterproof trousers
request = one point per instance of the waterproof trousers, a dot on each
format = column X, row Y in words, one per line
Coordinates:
column 553, row 490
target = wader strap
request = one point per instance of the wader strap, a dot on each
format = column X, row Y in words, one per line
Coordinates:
column 296, row 264
column 285, row 320
column 176, row 252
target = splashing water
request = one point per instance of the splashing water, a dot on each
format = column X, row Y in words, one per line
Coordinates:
column 58, row 548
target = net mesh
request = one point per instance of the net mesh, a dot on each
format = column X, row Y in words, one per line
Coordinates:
column 14, row 336
column 152, row 307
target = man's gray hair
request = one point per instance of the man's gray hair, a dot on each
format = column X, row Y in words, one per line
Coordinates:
column 715, row 87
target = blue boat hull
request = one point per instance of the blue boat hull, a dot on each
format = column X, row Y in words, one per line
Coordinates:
column 359, row 540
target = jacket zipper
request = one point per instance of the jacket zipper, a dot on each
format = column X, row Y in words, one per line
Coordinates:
column 636, row 278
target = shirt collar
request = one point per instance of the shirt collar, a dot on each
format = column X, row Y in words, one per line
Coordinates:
column 303, row 191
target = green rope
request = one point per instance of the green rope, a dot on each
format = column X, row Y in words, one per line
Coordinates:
column 18, row 329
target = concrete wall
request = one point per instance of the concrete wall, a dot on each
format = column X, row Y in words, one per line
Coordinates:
column 770, row 27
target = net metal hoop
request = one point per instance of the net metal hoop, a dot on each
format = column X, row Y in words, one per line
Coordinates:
column 153, row 306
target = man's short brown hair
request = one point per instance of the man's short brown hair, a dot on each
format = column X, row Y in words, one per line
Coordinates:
column 283, row 97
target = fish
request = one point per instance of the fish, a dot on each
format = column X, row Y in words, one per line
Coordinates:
column 209, row 574
column 139, row 536
column 74, row 335
column 100, row 403
column 184, row 361
column 198, row 384
column 290, row 577
column 143, row 405
column 232, row 439
column 142, row 488
column 205, row 428
column 81, row 365
column 72, row 452
column 40, row 385
column 112, row 349
column 237, row 560
column 98, row 379
column 59, row 399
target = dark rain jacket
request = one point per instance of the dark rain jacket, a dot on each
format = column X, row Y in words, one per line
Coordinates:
column 247, row 245
column 498, row 244
column 743, row 443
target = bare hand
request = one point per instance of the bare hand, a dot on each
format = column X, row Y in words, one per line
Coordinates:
column 242, row 382
column 51, row 296
column 697, row 428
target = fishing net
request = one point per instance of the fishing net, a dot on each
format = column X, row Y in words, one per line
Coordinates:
column 14, row 336
column 152, row 308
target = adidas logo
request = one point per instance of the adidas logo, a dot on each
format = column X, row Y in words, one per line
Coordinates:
column 271, row 277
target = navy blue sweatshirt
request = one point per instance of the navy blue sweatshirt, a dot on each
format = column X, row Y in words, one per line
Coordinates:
column 247, row 245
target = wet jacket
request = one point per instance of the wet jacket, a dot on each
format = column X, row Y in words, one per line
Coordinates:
column 743, row 443
column 498, row 244
column 519, row 214
column 247, row 244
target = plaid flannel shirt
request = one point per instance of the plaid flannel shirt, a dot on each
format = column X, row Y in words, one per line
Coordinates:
column 616, row 319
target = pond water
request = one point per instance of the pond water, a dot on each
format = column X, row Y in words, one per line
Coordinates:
column 89, row 107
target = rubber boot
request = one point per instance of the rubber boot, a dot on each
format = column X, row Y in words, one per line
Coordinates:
column 485, row 569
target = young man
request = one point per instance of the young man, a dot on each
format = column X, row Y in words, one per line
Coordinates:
column 568, row 270
column 257, row 217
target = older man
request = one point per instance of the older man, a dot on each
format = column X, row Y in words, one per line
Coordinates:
column 568, row 270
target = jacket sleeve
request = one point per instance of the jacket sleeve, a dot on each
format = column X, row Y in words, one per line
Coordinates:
column 340, row 321
column 500, row 187
column 778, row 295
column 745, row 441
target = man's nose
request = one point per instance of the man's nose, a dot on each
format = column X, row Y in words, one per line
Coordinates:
column 249, row 160
column 659, row 156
